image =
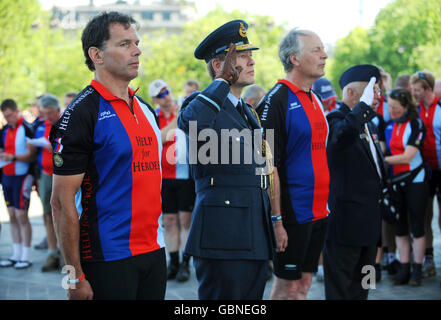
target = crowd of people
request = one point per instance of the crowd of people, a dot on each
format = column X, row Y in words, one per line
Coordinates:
column 121, row 181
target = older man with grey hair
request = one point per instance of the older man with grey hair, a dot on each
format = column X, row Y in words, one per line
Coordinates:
column 301, row 177
column 253, row 95
column 50, row 112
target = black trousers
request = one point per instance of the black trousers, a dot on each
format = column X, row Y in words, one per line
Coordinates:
column 343, row 270
column 141, row 277
column 230, row 279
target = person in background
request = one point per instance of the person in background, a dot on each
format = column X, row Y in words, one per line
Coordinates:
column 404, row 137
column 253, row 95
column 68, row 97
column 326, row 92
column 437, row 88
column 50, row 111
column 16, row 182
column 190, row 86
column 403, row 82
column 429, row 105
column 177, row 191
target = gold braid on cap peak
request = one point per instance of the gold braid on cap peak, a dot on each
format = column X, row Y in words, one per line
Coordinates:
column 266, row 152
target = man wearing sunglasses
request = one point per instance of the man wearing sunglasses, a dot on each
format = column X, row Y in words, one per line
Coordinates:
column 177, row 191
column 422, row 85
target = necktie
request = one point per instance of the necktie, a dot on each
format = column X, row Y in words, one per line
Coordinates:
column 242, row 112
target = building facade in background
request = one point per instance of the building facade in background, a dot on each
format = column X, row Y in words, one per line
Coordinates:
column 166, row 14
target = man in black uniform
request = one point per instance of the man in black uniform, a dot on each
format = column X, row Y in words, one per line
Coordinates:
column 231, row 236
column 356, row 170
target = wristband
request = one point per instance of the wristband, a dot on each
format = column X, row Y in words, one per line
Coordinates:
column 83, row 276
column 276, row 218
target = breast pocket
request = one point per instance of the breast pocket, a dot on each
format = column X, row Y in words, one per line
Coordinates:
column 226, row 223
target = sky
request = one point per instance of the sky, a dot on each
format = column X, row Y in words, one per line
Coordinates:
column 330, row 19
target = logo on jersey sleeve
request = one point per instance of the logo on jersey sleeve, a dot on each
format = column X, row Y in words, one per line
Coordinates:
column 58, row 160
column 58, row 146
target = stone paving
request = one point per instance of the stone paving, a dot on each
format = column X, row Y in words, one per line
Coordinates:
column 32, row 284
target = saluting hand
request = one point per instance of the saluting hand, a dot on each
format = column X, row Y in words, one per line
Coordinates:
column 368, row 93
column 229, row 71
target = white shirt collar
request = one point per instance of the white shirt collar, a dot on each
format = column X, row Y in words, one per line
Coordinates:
column 234, row 100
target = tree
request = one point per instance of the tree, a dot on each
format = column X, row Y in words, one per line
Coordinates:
column 405, row 38
column 350, row 50
column 35, row 57
column 402, row 29
column 16, row 20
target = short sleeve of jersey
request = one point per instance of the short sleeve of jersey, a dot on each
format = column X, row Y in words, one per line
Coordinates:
column 418, row 132
column 29, row 131
column 272, row 113
column 72, row 136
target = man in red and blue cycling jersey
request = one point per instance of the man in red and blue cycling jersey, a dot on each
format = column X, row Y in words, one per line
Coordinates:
column 16, row 182
column 422, row 85
column 106, row 198
column 301, row 176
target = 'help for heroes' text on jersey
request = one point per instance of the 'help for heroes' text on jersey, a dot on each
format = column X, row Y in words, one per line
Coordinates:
column 120, row 154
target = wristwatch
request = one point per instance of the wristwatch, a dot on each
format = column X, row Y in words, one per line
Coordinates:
column 14, row 158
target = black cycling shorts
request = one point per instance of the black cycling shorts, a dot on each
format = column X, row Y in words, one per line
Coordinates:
column 177, row 195
column 435, row 182
column 305, row 243
column 142, row 277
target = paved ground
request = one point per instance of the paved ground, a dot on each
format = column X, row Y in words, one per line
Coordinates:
column 32, row 284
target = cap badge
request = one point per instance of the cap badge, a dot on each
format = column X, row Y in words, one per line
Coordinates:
column 242, row 30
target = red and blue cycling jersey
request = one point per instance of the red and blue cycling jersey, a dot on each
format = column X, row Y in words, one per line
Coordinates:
column 119, row 152
column 44, row 157
column 431, row 118
column 300, row 139
column 174, row 151
column 398, row 137
column 383, row 109
column 13, row 141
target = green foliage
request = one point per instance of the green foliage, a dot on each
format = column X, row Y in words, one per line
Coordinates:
column 404, row 39
column 36, row 58
column 171, row 57
column 16, row 19
column 350, row 50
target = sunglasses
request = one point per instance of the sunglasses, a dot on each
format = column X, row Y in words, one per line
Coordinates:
column 422, row 76
column 162, row 95
column 397, row 95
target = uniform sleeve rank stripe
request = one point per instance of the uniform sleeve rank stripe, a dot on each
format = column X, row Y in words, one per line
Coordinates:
column 210, row 101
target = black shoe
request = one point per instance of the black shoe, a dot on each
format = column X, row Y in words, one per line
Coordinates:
column 172, row 271
column 403, row 275
column 393, row 267
column 377, row 272
column 417, row 275
column 184, row 272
